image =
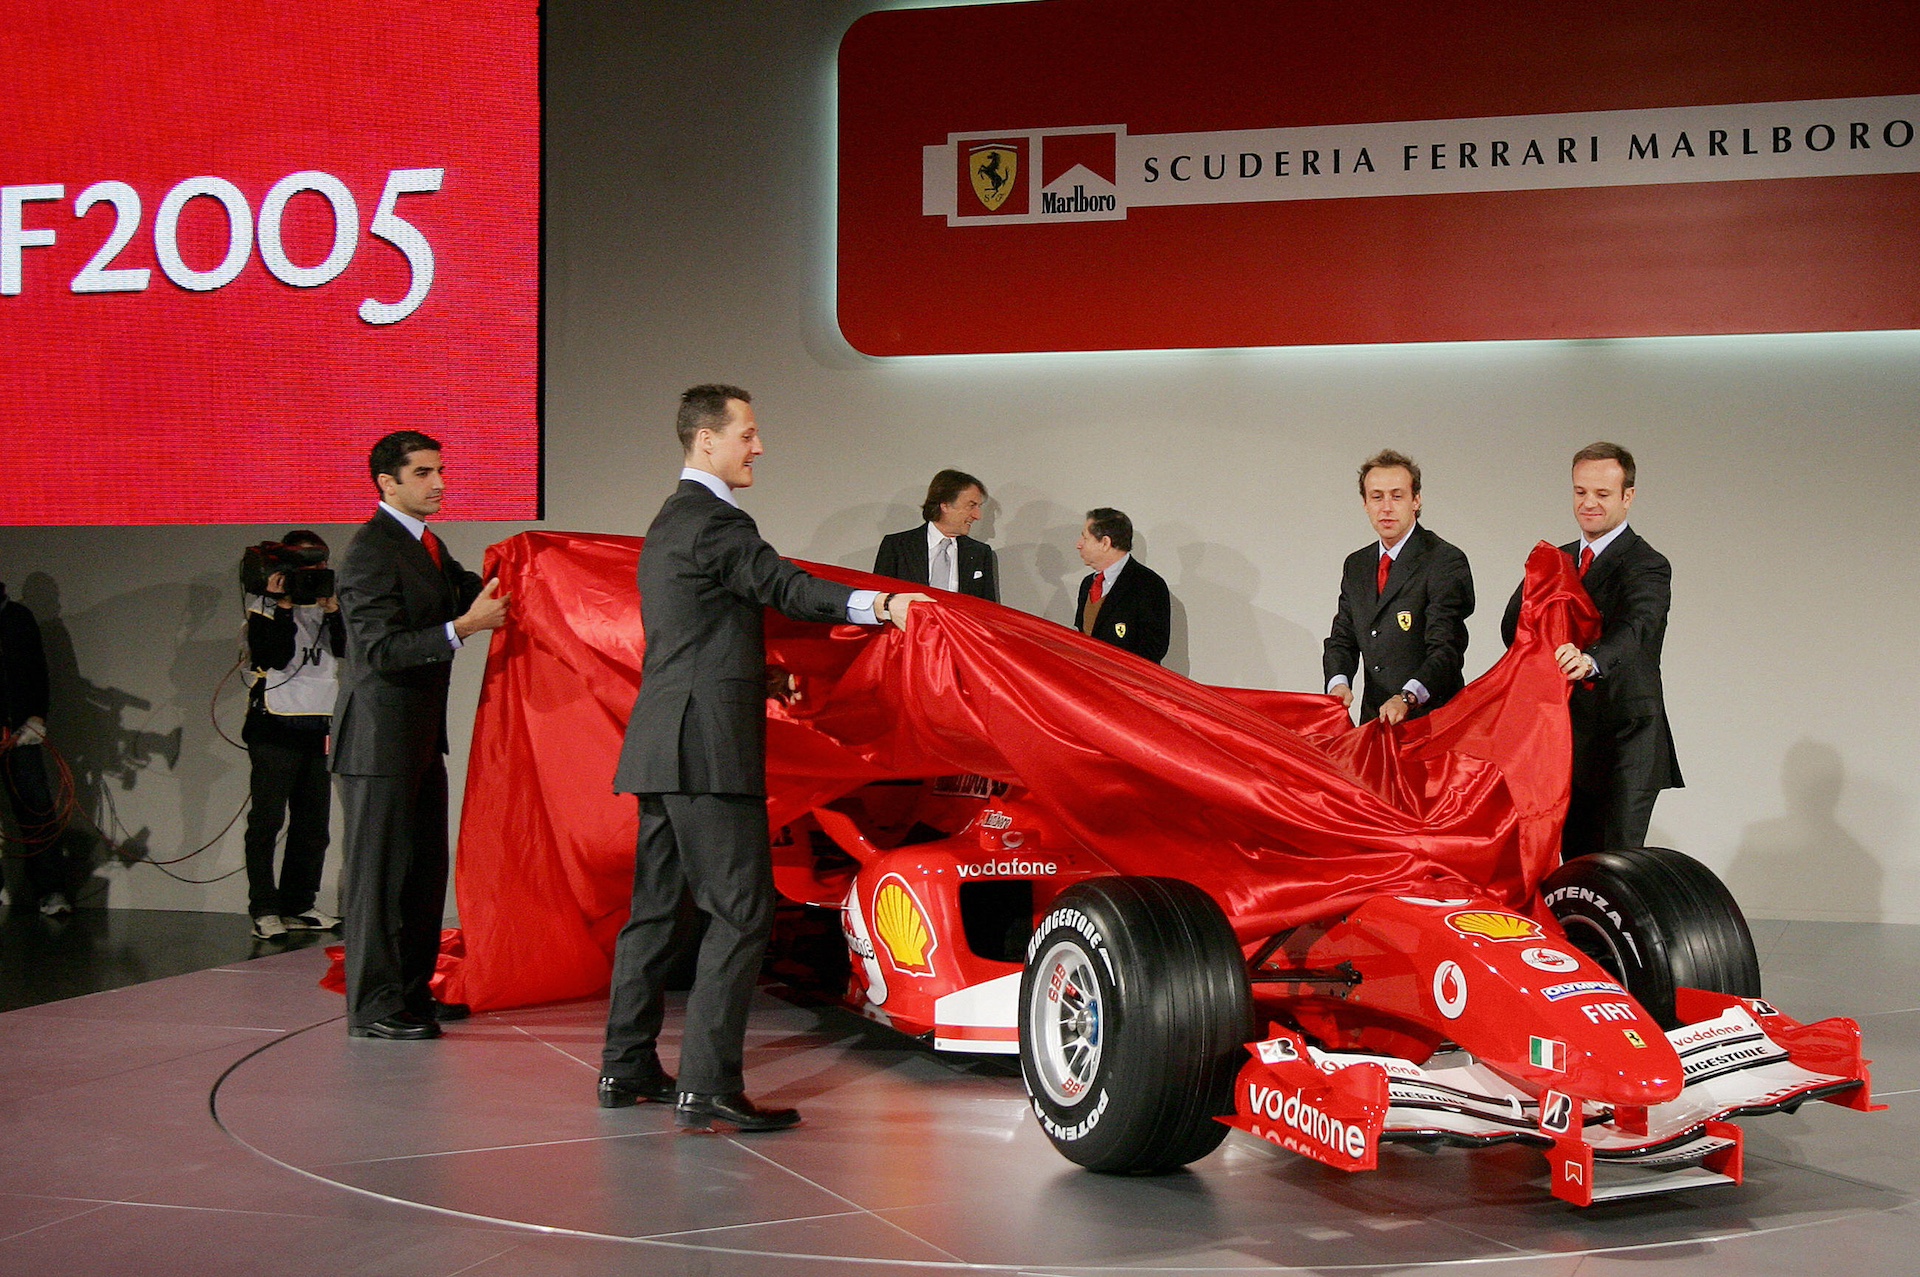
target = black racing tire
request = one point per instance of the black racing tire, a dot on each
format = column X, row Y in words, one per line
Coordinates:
column 1135, row 1013
column 1658, row 921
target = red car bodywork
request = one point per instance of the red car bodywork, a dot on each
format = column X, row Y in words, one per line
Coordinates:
column 940, row 788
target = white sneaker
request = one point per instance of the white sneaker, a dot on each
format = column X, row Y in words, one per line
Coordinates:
column 55, row 905
column 268, row 927
column 311, row 920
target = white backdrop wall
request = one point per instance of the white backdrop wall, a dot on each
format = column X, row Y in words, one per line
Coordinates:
column 690, row 235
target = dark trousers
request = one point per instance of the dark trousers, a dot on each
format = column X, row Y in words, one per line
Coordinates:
column 393, row 889
column 714, row 847
column 289, row 784
column 24, row 770
column 1613, row 786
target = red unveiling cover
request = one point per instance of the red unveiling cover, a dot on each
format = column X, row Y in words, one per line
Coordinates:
column 1266, row 799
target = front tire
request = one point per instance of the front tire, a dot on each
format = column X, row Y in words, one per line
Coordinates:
column 1658, row 921
column 1134, row 1014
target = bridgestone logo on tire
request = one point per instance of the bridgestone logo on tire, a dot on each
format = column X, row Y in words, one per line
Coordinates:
column 1076, row 921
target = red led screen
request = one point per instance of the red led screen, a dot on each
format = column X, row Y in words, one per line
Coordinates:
column 241, row 241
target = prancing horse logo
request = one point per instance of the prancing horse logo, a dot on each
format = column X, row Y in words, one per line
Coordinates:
column 993, row 167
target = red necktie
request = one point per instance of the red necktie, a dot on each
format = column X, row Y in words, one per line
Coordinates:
column 434, row 551
column 1586, row 560
column 1091, row 612
column 1380, row 581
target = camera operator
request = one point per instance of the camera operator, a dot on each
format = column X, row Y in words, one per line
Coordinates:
column 23, row 769
column 295, row 637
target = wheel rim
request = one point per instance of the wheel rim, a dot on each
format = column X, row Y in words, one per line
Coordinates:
column 1065, row 1022
column 1590, row 939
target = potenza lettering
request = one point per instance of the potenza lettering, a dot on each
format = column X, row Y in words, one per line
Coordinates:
column 1099, row 174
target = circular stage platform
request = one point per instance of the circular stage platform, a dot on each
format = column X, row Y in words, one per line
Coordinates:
column 910, row 1161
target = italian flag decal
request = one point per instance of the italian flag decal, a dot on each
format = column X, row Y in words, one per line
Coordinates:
column 1545, row 1053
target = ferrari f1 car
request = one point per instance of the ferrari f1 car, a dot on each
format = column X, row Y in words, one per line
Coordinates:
column 1185, row 908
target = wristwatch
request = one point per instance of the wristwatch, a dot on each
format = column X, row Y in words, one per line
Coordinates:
column 1407, row 694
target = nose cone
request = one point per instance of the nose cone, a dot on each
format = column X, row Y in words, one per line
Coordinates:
column 1625, row 1075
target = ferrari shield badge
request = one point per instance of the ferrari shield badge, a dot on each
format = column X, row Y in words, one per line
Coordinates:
column 993, row 169
column 1405, row 619
column 1120, row 630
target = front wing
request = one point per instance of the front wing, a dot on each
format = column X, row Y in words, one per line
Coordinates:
column 1741, row 1057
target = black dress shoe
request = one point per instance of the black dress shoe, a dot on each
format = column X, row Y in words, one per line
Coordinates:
column 401, row 1026
column 707, row 1113
column 623, row 1092
column 444, row 1012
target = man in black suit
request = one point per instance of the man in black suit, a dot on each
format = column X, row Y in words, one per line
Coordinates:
column 1404, row 604
column 1124, row 602
column 409, row 606
column 695, row 754
column 939, row 552
column 25, row 697
column 1623, row 752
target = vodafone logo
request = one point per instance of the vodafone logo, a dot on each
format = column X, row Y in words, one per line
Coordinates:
column 1278, row 1104
column 1450, row 989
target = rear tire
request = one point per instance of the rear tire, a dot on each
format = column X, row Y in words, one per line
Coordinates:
column 1134, row 1015
column 1659, row 921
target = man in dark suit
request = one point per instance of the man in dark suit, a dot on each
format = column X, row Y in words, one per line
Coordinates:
column 1623, row 753
column 939, row 552
column 409, row 606
column 1124, row 602
column 695, row 754
column 1404, row 604
column 25, row 697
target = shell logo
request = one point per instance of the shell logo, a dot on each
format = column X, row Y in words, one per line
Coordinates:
column 902, row 926
column 1489, row 925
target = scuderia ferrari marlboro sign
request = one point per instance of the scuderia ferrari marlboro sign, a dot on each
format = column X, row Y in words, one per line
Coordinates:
column 1099, row 174
column 1131, row 174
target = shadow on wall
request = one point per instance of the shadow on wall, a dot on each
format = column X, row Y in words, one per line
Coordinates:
column 1805, row 862
column 1039, row 569
column 84, row 722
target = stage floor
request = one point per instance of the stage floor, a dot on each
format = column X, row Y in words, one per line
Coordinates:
column 223, row 1122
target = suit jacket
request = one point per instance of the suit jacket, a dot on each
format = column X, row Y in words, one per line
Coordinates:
column 1416, row 628
column 1136, row 614
column 699, row 725
column 391, row 715
column 903, row 556
column 1632, row 585
column 23, row 666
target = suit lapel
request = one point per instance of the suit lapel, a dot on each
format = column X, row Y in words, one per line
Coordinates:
column 1403, row 570
column 1607, row 562
column 919, row 558
column 972, row 559
column 414, row 555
